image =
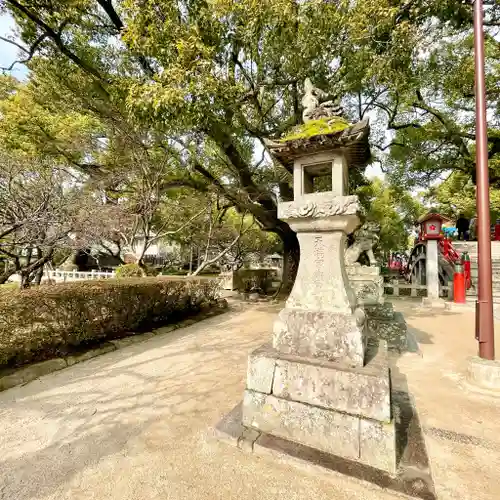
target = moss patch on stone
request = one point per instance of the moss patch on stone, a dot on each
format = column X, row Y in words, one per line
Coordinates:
column 316, row 127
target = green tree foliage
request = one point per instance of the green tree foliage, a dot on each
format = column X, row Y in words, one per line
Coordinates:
column 394, row 209
column 457, row 195
column 204, row 80
column 430, row 114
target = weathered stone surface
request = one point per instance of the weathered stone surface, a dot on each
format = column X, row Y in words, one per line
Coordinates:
column 365, row 239
column 484, row 373
column 260, row 371
column 321, row 334
column 367, row 283
column 319, row 205
column 364, row 271
column 230, row 428
column 352, row 142
column 351, row 391
column 32, row 372
column 378, row 444
column 394, row 332
column 368, row 290
column 321, row 283
column 380, row 311
column 325, row 430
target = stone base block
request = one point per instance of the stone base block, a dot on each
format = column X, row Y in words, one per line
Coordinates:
column 312, row 426
column 413, row 475
column 393, row 331
column 368, row 290
column 380, row 311
column 341, row 434
column 361, row 391
column 321, row 334
column 377, row 444
column 484, row 373
column 327, row 406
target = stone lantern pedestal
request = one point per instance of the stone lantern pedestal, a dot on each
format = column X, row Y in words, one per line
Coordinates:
column 320, row 383
column 382, row 321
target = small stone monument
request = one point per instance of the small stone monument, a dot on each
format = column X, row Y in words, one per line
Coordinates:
column 368, row 284
column 321, row 384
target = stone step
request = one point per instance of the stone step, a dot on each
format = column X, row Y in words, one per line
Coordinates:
column 471, row 299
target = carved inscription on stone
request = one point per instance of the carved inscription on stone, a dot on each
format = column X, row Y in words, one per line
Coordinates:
column 319, row 260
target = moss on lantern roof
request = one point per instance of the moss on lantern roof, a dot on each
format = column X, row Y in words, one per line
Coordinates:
column 316, row 127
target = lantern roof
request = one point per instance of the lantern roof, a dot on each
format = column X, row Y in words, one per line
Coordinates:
column 352, row 140
column 433, row 216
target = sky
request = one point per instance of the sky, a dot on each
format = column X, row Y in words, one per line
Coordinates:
column 8, row 52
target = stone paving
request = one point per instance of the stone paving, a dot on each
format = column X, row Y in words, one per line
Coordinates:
column 137, row 423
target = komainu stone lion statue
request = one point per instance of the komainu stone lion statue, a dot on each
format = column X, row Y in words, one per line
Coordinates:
column 365, row 239
column 316, row 105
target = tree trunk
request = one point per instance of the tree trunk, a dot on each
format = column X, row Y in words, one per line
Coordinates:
column 38, row 276
column 291, row 258
column 25, row 282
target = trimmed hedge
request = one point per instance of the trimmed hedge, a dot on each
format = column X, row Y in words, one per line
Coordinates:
column 129, row 271
column 48, row 321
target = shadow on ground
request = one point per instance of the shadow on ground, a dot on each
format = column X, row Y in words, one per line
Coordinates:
column 89, row 417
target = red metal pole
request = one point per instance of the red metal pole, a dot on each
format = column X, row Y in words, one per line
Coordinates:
column 484, row 322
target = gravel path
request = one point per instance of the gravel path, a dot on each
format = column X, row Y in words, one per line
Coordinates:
column 136, row 424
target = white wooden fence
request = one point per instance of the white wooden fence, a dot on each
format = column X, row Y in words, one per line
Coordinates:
column 61, row 276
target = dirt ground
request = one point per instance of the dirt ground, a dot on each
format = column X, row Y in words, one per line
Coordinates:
column 137, row 423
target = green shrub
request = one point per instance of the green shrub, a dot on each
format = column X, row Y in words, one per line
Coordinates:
column 151, row 270
column 47, row 321
column 130, row 271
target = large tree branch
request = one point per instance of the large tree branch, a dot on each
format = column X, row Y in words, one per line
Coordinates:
column 179, row 229
column 456, row 136
column 208, row 262
column 107, row 6
column 12, row 42
column 56, row 38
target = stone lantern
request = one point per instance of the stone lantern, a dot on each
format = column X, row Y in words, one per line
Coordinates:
column 320, row 385
column 430, row 232
column 431, row 226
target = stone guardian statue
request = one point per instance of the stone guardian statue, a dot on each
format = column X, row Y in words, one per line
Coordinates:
column 314, row 109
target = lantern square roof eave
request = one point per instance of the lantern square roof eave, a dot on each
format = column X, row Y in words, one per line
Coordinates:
column 352, row 141
column 433, row 216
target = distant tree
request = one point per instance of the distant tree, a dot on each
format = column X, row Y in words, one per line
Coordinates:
column 394, row 209
column 457, row 195
column 210, row 80
column 43, row 210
